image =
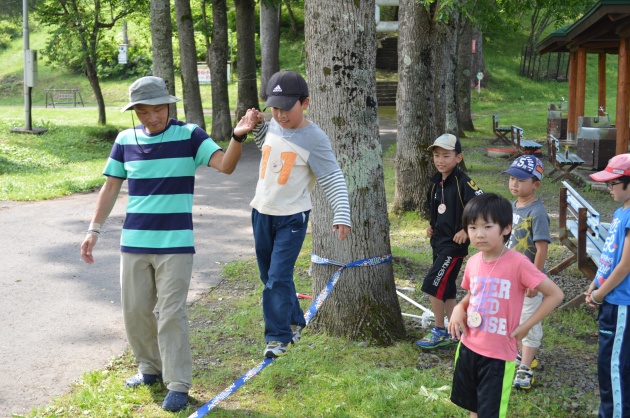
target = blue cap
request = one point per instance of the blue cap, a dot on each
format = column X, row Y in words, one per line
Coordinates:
column 525, row 167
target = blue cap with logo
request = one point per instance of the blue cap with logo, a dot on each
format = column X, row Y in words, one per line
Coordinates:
column 525, row 167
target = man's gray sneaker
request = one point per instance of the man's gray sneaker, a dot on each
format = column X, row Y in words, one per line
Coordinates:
column 143, row 379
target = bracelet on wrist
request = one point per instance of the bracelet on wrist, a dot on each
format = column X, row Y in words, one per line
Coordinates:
column 93, row 232
column 238, row 138
column 594, row 301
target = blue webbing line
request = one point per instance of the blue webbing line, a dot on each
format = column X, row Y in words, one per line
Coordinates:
column 308, row 316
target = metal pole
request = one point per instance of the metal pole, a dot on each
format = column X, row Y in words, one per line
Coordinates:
column 27, row 89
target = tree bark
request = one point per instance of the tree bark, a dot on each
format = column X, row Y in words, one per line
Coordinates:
column 162, row 46
column 463, row 76
column 269, row 44
column 416, row 109
column 246, row 57
column 217, row 62
column 193, row 109
column 341, row 54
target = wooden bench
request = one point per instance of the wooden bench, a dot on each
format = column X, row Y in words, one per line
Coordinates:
column 57, row 97
column 582, row 232
column 523, row 146
column 563, row 162
column 500, row 132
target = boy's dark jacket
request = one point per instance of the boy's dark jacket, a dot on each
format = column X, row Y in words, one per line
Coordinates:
column 459, row 189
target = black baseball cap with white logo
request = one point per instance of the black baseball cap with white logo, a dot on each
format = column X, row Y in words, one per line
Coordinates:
column 284, row 89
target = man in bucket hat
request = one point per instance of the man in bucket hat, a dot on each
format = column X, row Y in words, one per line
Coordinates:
column 159, row 159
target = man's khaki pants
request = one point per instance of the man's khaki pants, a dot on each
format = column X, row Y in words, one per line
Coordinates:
column 159, row 340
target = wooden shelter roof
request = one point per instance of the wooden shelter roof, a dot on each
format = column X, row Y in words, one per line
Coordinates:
column 599, row 30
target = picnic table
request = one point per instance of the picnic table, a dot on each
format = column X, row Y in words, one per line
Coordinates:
column 564, row 162
column 523, row 146
column 500, row 132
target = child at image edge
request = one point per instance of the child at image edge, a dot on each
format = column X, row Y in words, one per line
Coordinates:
column 448, row 193
column 530, row 236
column 487, row 319
column 296, row 153
column 610, row 291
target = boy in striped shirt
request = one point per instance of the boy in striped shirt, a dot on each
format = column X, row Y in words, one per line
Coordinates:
column 296, row 153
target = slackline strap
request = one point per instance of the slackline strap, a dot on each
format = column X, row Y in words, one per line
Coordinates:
column 308, row 316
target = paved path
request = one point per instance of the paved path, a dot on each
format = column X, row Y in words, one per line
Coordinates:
column 60, row 317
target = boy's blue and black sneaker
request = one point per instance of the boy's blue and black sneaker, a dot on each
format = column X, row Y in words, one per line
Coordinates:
column 437, row 337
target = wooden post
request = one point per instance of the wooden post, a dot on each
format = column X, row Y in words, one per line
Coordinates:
column 621, row 121
column 601, row 83
column 580, row 85
column 572, row 115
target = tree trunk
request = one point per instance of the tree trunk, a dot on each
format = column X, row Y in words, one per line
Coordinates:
column 217, row 62
column 291, row 17
column 162, row 46
column 451, row 75
column 416, row 110
column 269, row 44
column 193, row 109
column 92, row 76
column 341, row 54
column 440, row 76
column 463, row 76
column 246, row 57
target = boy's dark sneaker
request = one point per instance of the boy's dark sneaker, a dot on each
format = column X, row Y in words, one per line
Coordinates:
column 297, row 333
column 437, row 337
column 276, row 349
column 143, row 379
column 175, row 401
column 518, row 361
column 524, row 378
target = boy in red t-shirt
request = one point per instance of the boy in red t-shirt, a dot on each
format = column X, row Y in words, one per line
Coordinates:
column 487, row 319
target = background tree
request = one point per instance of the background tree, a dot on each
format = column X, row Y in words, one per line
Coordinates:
column 76, row 30
column 543, row 13
column 416, row 109
column 294, row 26
column 463, row 75
column 246, row 56
column 269, row 42
column 217, row 58
column 452, row 69
column 162, row 46
column 341, row 54
column 193, row 108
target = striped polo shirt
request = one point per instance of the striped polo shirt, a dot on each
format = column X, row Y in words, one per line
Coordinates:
column 160, row 170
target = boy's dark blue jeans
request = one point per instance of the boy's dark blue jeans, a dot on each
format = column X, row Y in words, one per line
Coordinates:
column 613, row 362
column 278, row 241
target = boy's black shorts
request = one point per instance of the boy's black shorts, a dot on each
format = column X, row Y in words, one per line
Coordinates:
column 482, row 384
column 440, row 282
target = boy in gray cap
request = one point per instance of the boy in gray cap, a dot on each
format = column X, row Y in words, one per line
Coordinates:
column 159, row 159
